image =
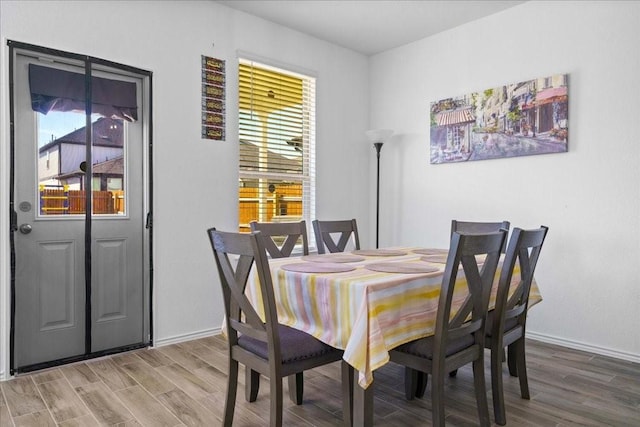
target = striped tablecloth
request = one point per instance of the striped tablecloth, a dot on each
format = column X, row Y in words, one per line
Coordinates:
column 363, row 312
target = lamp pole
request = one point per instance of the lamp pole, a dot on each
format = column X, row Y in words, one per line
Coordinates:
column 378, row 137
column 378, row 146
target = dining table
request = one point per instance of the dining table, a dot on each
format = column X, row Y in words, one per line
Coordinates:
column 365, row 302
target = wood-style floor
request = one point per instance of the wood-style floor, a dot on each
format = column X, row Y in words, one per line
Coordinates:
column 184, row 384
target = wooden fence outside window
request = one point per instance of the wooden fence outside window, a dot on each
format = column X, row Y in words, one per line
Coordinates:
column 62, row 201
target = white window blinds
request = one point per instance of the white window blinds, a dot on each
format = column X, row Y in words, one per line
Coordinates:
column 277, row 145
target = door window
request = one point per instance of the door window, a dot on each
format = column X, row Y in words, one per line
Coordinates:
column 61, row 164
column 58, row 98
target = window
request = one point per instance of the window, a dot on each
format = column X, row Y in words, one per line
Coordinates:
column 62, row 150
column 277, row 145
column 59, row 98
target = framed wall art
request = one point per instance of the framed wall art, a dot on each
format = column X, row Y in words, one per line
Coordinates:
column 520, row 119
column 213, row 98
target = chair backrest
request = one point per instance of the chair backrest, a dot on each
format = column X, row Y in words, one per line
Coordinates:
column 479, row 273
column 480, row 227
column 280, row 238
column 524, row 247
column 241, row 317
column 324, row 231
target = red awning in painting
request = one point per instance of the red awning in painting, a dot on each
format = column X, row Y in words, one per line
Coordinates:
column 456, row 117
column 548, row 95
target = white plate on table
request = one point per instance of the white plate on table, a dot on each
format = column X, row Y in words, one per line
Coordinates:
column 337, row 258
column 430, row 251
column 317, row 267
column 436, row 258
column 379, row 252
column 402, row 267
column 442, row 258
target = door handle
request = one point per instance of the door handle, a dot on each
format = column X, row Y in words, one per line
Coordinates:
column 25, row 228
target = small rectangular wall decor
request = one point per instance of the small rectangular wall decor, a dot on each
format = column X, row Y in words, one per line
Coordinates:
column 213, row 98
column 520, row 119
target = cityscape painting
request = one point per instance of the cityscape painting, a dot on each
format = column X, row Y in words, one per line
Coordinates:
column 520, row 119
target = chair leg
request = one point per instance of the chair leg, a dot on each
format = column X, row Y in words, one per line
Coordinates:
column 251, row 384
column 497, row 387
column 421, row 385
column 276, row 402
column 437, row 397
column 481, row 391
column 511, row 360
column 521, row 363
column 232, row 388
column 410, row 383
column 296, row 388
column 415, row 383
column 347, row 393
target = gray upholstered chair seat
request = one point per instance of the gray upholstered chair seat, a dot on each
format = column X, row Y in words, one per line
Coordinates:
column 424, row 347
column 295, row 345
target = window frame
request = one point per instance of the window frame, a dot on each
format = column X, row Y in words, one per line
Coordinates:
column 307, row 177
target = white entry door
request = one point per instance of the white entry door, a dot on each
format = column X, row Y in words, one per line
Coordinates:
column 81, row 281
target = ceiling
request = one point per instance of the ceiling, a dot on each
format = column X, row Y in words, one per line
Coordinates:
column 370, row 27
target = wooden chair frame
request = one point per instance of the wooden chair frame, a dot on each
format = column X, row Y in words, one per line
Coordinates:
column 245, row 327
column 524, row 247
column 290, row 231
column 480, row 227
column 458, row 340
column 325, row 242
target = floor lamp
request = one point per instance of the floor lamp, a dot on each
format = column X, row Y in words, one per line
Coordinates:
column 378, row 137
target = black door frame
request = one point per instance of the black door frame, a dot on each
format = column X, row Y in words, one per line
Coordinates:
column 88, row 62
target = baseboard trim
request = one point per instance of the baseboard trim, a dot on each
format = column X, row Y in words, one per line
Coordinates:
column 576, row 345
column 550, row 339
column 158, row 343
column 186, row 337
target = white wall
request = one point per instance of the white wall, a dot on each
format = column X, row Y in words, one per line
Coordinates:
column 589, row 269
column 195, row 182
column 589, row 197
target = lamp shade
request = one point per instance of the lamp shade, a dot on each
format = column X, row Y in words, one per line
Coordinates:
column 379, row 135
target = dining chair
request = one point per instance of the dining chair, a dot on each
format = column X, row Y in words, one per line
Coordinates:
column 457, row 340
column 473, row 227
column 266, row 347
column 506, row 324
column 480, row 227
column 289, row 233
column 326, row 230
